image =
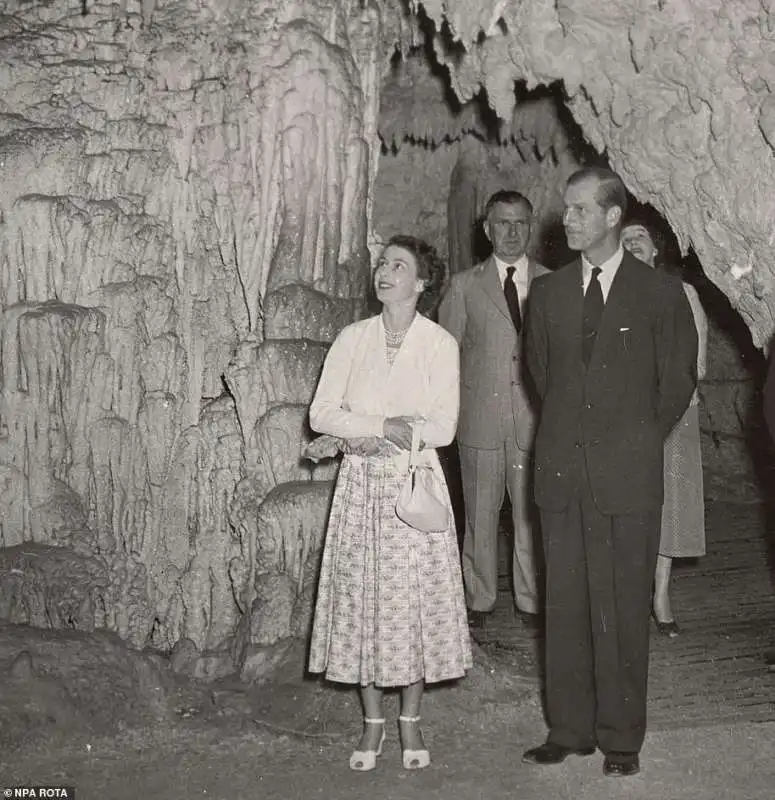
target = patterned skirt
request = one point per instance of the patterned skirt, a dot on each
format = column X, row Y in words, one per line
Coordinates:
column 390, row 608
column 683, row 513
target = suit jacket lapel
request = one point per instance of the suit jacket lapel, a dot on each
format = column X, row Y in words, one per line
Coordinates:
column 615, row 304
column 573, row 292
column 491, row 283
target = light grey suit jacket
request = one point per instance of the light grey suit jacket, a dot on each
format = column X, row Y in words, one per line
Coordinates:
column 475, row 312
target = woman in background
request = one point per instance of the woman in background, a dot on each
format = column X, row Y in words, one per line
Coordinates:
column 683, row 512
column 390, row 610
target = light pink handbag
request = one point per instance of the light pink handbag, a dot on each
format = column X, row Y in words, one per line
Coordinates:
column 421, row 502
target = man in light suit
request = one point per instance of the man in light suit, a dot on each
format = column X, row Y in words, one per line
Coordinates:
column 612, row 348
column 483, row 309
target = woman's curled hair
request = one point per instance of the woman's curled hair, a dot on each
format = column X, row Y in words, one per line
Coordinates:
column 430, row 269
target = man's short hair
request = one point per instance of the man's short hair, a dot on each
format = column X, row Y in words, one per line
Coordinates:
column 610, row 191
column 507, row 197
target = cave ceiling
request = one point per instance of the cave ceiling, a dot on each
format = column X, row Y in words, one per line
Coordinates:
column 677, row 94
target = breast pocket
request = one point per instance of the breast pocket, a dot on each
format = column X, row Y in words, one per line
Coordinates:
column 634, row 359
column 633, row 340
column 625, row 339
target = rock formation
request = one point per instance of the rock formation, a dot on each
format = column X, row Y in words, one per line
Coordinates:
column 186, row 214
column 172, row 173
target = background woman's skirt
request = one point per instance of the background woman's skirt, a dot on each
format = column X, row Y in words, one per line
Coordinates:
column 683, row 513
column 390, row 608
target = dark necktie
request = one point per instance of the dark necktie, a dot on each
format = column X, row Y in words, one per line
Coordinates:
column 593, row 310
column 512, row 298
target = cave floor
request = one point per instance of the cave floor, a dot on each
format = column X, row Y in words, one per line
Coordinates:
column 711, row 735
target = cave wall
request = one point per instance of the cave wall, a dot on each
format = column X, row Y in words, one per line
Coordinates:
column 439, row 192
column 441, row 161
column 411, row 192
column 183, row 226
column 482, row 169
column 737, row 451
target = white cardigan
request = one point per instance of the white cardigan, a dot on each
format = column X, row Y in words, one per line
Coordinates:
column 358, row 390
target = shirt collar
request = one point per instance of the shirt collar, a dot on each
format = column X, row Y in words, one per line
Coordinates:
column 607, row 267
column 520, row 264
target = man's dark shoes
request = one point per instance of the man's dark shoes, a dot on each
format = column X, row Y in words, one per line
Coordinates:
column 551, row 753
column 621, row 765
column 531, row 623
column 476, row 619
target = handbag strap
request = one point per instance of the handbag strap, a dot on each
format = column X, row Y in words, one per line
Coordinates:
column 415, row 451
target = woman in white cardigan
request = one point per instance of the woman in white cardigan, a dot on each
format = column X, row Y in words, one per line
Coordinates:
column 390, row 610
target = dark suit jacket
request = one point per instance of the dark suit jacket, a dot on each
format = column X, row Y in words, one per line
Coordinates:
column 616, row 414
column 475, row 312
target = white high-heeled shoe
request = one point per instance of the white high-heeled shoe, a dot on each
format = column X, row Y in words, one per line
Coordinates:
column 414, row 759
column 365, row 760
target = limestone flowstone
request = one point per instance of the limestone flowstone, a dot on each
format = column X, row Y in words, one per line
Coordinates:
column 164, row 167
column 53, row 587
column 290, row 525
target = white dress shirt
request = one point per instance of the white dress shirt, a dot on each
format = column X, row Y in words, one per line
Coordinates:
column 607, row 275
column 520, row 276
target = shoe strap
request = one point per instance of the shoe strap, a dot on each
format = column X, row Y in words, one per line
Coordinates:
column 403, row 718
column 374, row 720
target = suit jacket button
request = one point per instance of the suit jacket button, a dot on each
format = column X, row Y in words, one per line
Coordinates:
column 578, row 445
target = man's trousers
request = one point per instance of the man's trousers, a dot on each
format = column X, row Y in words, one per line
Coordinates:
column 599, row 571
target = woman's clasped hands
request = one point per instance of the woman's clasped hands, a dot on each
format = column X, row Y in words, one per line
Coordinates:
column 399, row 431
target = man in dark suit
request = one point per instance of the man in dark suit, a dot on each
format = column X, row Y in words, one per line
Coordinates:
column 612, row 348
column 483, row 309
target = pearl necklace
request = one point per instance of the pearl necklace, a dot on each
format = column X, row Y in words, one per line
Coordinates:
column 394, row 338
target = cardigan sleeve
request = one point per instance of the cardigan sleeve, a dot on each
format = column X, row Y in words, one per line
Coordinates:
column 440, row 423
column 328, row 414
